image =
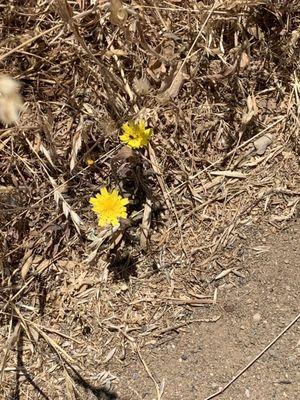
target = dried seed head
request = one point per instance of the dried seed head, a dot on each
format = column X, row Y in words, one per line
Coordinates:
column 10, row 100
column 8, row 86
column 295, row 37
column 10, row 108
column 108, row 126
column 118, row 14
column 141, row 86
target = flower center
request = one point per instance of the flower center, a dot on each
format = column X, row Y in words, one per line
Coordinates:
column 110, row 205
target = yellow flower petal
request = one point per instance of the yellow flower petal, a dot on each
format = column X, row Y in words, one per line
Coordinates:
column 114, row 221
column 148, row 132
column 101, row 222
column 123, row 214
column 124, row 201
column 103, row 192
column 142, row 125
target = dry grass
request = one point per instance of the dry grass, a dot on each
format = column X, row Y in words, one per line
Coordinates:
column 219, row 84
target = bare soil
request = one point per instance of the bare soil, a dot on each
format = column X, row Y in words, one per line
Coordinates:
column 84, row 310
column 202, row 358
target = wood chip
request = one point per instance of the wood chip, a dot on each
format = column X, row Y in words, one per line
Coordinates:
column 178, row 79
column 27, row 264
column 6, row 189
column 118, row 14
column 229, row 174
column 262, row 143
column 110, row 355
column 223, row 274
column 145, row 226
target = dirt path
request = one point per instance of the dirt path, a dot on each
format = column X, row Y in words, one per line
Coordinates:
column 254, row 310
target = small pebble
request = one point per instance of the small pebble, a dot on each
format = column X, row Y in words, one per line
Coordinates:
column 273, row 353
column 284, row 382
column 256, row 317
column 247, row 393
column 184, row 356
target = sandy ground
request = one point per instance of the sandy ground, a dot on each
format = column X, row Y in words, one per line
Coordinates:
column 254, row 309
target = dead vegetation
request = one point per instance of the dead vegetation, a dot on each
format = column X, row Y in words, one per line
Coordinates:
column 219, row 84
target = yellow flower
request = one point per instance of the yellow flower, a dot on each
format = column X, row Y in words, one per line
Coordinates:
column 135, row 135
column 90, row 162
column 109, row 207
